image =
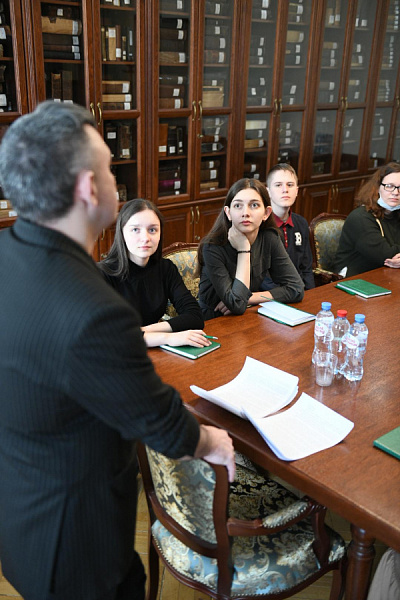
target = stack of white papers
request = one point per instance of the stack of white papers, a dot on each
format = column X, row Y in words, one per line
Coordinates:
column 284, row 314
column 261, row 390
column 259, row 387
column 303, row 429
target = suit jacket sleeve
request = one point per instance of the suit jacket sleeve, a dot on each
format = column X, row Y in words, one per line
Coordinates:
column 112, row 377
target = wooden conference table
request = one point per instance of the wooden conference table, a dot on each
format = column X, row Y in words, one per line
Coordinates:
column 354, row 479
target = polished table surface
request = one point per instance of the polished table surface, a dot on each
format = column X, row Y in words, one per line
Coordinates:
column 356, row 480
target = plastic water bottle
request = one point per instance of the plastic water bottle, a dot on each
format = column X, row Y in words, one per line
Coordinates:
column 323, row 330
column 356, row 345
column 339, row 329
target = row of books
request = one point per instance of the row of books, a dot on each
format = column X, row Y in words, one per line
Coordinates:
column 61, row 38
column 116, row 94
column 173, row 5
column 5, row 32
column 378, row 129
column 256, row 135
column 6, row 208
column 210, row 172
column 62, row 85
column 332, row 13
column 384, row 90
column 262, row 10
column 117, row 43
column 220, row 8
column 171, row 139
column 252, row 169
column 390, row 52
column 214, row 134
column 170, row 179
column 117, row 2
column 119, row 138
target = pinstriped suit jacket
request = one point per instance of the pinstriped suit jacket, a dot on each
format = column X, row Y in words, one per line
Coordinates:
column 77, row 390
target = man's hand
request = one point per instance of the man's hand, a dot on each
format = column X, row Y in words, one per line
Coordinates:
column 216, row 446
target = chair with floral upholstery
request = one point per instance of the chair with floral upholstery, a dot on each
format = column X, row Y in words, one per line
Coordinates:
column 184, row 256
column 325, row 230
column 246, row 540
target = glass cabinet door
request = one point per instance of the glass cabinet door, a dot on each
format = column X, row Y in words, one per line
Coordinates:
column 296, row 53
column 357, row 85
column 329, row 86
column 396, row 145
column 387, row 99
column 261, row 96
column 214, row 94
column 174, row 96
column 116, row 101
column 60, row 51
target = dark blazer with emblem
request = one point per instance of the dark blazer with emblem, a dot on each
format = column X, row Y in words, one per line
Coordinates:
column 77, row 390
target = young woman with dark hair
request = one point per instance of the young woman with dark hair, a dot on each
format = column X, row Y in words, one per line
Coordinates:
column 136, row 269
column 242, row 248
column 371, row 233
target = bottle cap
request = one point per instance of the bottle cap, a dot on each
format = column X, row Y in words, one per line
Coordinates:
column 359, row 318
column 341, row 313
column 326, row 305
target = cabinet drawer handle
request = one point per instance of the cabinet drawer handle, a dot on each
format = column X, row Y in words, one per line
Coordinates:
column 191, row 216
column 194, row 110
column 197, row 215
column 200, row 110
column 92, row 109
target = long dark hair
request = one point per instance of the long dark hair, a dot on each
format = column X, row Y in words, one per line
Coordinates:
column 368, row 194
column 218, row 234
column 117, row 261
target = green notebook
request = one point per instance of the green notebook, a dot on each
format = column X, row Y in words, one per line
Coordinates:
column 191, row 351
column 390, row 442
column 362, row 288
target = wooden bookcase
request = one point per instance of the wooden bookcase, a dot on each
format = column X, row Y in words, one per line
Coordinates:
column 212, row 91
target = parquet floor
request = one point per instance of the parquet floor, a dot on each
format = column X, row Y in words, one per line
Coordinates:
column 170, row 589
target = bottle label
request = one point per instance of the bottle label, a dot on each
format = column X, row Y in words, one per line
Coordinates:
column 320, row 329
column 351, row 341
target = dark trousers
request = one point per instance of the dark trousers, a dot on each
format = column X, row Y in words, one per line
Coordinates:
column 133, row 586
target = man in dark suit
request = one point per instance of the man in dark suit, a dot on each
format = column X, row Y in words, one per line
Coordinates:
column 77, row 386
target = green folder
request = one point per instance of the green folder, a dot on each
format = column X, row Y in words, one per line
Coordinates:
column 362, row 288
column 390, row 442
column 191, row 351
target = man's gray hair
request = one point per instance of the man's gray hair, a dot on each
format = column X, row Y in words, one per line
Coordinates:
column 41, row 155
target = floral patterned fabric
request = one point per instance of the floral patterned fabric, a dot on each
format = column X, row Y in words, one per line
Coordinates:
column 186, row 262
column 326, row 238
column 262, row 564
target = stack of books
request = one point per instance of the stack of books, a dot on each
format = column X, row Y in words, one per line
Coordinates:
column 6, row 208
column 257, row 89
column 218, row 7
column 256, row 133
column 61, row 29
column 116, row 94
column 209, row 174
column 214, row 135
column 262, row 9
column 173, row 47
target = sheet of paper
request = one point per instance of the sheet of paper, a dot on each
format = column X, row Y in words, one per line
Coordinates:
column 304, row 429
column 258, row 387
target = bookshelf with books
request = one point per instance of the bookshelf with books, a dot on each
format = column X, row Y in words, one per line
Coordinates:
column 192, row 110
column 191, row 95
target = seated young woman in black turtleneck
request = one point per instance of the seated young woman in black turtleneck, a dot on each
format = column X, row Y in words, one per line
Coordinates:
column 136, row 269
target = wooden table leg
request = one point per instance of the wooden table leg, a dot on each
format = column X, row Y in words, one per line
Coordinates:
column 361, row 554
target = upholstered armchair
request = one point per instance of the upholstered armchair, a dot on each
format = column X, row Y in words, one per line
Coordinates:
column 184, row 256
column 325, row 230
column 250, row 539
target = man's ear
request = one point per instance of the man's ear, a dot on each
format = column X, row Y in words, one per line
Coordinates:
column 228, row 212
column 268, row 211
column 85, row 188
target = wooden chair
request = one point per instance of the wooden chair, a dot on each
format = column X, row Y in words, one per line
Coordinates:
column 184, row 256
column 246, row 540
column 325, row 230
